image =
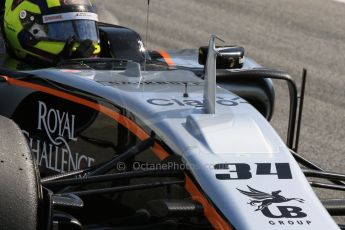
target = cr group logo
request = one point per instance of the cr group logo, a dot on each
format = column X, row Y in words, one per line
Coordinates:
column 266, row 203
column 265, row 199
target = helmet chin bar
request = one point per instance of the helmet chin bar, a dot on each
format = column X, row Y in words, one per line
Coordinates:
column 84, row 50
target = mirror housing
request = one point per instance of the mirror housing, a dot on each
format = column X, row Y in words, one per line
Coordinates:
column 230, row 57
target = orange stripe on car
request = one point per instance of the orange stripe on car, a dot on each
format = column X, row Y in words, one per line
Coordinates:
column 166, row 57
column 209, row 211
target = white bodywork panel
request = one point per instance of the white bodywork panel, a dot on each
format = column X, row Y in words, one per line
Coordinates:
column 234, row 149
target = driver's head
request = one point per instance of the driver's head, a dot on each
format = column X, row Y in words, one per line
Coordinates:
column 51, row 30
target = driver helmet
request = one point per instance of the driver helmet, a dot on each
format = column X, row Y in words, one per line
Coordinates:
column 50, row 30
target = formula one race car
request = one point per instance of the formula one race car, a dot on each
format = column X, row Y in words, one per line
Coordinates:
column 141, row 139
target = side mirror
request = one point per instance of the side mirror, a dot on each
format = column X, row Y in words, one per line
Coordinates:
column 230, row 57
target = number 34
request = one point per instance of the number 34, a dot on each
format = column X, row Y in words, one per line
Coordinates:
column 242, row 171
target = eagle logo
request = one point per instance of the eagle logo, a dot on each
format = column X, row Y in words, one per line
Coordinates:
column 265, row 199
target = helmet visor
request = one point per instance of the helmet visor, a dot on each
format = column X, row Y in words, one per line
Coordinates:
column 80, row 29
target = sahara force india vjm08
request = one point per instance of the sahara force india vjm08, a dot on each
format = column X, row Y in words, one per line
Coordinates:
column 138, row 139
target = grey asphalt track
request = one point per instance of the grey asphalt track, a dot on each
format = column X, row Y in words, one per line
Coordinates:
column 285, row 34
